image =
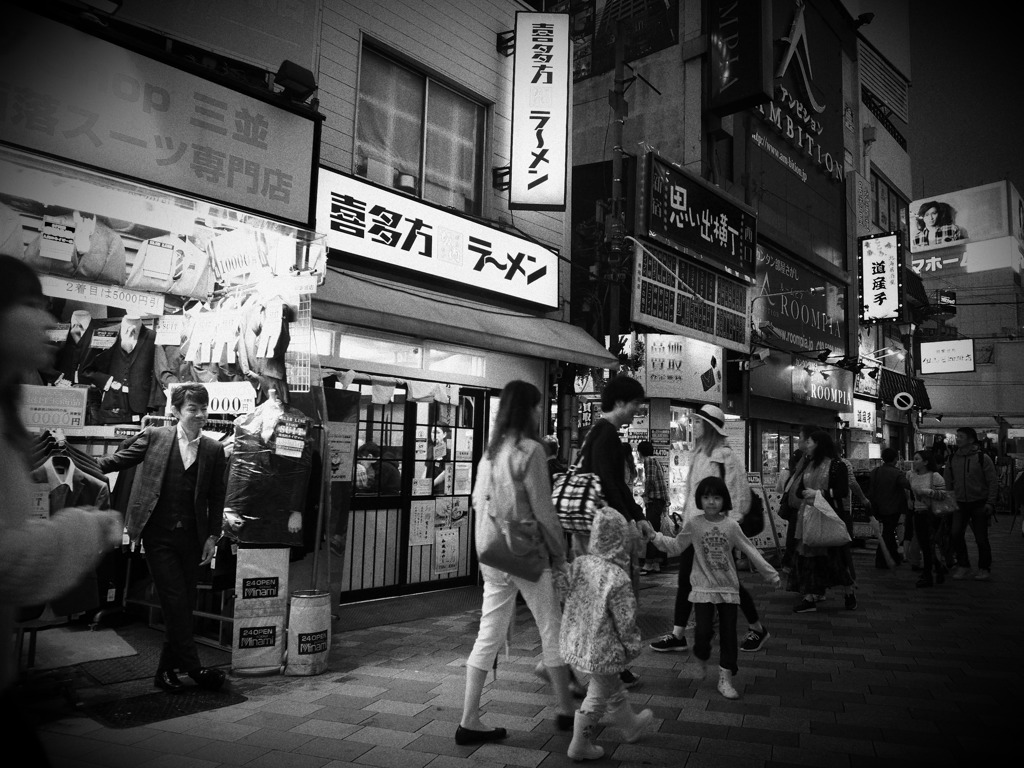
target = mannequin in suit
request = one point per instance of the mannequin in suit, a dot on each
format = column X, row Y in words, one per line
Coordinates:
column 76, row 353
column 175, row 510
column 124, row 373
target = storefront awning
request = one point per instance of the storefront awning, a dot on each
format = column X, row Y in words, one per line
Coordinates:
column 891, row 383
column 361, row 300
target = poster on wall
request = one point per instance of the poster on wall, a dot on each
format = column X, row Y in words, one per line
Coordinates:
column 956, row 218
column 446, row 550
column 683, row 368
column 421, row 522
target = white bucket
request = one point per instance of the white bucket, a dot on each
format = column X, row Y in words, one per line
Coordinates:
column 309, row 633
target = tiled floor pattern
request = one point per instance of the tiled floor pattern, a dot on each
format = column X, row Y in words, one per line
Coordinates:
column 913, row 677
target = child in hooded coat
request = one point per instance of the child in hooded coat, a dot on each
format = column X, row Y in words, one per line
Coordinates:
column 600, row 635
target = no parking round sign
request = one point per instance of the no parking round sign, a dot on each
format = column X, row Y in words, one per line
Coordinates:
column 903, row 401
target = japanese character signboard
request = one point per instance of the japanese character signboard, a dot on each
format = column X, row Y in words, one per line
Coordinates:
column 949, row 356
column 880, row 268
column 862, row 416
column 372, row 223
column 540, row 112
column 83, row 99
column 675, row 295
column 686, row 213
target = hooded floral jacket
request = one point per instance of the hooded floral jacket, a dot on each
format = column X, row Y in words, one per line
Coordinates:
column 599, row 629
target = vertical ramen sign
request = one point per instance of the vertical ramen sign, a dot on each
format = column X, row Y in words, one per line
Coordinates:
column 540, row 111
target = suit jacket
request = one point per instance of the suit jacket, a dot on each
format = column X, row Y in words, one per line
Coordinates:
column 133, row 370
column 153, row 450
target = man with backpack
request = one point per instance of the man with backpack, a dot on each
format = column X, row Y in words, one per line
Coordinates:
column 971, row 474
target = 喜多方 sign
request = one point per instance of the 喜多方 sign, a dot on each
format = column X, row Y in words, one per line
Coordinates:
column 540, row 111
column 372, row 223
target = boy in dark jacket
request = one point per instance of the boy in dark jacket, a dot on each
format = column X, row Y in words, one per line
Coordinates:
column 888, row 498
column 971, row 475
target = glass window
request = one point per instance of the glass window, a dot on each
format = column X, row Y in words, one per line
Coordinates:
column 415, row 135
column 378, row 469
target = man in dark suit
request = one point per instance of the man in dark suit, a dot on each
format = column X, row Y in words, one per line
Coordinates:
column 175, row 510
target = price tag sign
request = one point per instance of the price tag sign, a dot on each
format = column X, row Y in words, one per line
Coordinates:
column 53, row 407
column 226, row 397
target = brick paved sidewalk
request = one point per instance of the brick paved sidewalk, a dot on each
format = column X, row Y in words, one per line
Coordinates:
column 912, row 677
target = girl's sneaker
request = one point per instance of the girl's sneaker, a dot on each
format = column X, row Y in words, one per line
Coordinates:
column 669, row 644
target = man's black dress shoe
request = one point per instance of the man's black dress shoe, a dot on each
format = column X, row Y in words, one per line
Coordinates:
column 208, row 678
column 466, row 736
column 168, row 681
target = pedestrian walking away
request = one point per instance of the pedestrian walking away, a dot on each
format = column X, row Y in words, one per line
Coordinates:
column 888, row 495
column 514, row 472
column 971, row 476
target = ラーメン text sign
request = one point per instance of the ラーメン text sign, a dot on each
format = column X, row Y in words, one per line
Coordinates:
column 370, row 222
column 540, row 111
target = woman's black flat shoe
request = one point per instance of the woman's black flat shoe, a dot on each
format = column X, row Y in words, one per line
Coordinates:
column 466, row 736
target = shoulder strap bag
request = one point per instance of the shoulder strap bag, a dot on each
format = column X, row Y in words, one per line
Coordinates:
column 577, row 495
column 505, row 540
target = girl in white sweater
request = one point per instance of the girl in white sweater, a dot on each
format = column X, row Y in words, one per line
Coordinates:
column 713, row 578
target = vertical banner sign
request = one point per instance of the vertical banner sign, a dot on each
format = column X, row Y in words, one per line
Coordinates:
column 880, row 266
column 540, row 111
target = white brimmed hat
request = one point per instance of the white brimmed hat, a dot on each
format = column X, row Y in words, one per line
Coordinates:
column 713, row 415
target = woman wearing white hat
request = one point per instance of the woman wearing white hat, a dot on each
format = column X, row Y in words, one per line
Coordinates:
column 712, row 456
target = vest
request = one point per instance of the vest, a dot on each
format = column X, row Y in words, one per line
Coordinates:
column 177, row 494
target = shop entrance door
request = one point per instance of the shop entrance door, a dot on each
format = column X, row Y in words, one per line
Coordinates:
column 409, row 521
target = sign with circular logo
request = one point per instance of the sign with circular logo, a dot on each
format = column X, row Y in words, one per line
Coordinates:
column 903, row 401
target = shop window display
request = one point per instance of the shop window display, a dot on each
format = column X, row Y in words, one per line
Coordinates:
column 151, row 289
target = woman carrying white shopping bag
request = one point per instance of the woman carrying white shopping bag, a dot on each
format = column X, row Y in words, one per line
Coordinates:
column 816, row 567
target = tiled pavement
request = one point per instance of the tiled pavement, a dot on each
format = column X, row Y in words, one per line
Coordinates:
column 912, row 677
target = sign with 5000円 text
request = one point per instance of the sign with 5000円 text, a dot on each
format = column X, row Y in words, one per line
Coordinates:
column 407, row 235
column 81, row 98
column 540, row 111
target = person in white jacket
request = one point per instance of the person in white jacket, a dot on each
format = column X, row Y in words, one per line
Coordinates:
column 40, row 558
column 712, row 456
column 715, row 584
